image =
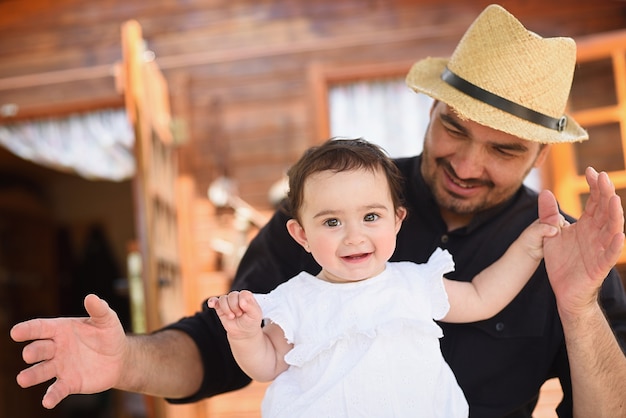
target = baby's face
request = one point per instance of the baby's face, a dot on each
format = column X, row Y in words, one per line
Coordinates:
column 349, row 223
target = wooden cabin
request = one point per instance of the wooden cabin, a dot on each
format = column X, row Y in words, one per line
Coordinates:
column 220, row 98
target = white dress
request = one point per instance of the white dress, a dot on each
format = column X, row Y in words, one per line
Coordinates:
column 364, row 349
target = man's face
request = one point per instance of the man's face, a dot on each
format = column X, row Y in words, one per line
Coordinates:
column 470, row 167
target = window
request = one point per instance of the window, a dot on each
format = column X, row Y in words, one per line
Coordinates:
column 383, row 111
column 598, row 103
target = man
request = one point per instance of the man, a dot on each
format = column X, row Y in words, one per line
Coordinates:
column 499, row 103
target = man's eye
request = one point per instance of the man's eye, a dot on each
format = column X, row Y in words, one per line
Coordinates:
column 454, row 132
column 504, row 152
column 331, row 222
column 370, row 217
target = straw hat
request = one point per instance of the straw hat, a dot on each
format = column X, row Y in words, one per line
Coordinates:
column 505, row 77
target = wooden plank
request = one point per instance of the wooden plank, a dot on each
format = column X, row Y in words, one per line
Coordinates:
column 601, row 45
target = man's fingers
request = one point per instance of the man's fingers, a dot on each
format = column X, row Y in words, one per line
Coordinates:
column 548, row 209
column 608, row 211
column 613, row 251
column 33, row 329
column 97, row 308
column 37, row 351
column 56, row 393
column 601, row 191
column 42, row 329
column 616, row 212
column 607, row 190
column 605, row 184
column 616, row 247
column 36, row 374
column 591, row 176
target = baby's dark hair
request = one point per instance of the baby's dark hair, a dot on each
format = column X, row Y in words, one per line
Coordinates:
column 341, row 154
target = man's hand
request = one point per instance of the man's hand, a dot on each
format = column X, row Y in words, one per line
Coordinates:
column 581, row 255
column 84, row 355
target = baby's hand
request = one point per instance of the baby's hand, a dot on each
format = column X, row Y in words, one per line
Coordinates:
column 239, row 312
column 532, row 237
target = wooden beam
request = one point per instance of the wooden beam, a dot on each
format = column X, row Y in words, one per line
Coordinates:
column 238, row 54
column 311, row 45
column 601, row 45
column 55, row 77
column 63, row 109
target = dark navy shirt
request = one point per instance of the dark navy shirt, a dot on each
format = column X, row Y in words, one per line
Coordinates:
column 500, row 363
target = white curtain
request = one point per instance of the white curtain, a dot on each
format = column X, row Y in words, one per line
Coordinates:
column 385, row 112
column 95, row 145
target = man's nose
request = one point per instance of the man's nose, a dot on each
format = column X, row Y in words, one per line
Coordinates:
column 468, row 162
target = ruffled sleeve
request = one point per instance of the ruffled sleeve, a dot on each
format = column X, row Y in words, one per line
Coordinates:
column 276, row 308
column 439, row 263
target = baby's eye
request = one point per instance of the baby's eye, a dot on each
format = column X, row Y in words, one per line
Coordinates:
column 370, row 217
column 332, row 222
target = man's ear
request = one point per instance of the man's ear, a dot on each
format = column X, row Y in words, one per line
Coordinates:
column 297, row 233
column 543, row 154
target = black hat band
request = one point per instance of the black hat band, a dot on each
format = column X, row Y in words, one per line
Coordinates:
column 501, row 103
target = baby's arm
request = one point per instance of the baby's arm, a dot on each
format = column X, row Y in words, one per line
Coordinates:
column 496, row 286
column 260, row 352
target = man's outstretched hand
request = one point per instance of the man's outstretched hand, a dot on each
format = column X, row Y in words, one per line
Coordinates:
column 84, row 355
column 581, row 255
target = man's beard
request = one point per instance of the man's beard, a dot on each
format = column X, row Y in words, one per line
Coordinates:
column 454, row 204
column 457, row 204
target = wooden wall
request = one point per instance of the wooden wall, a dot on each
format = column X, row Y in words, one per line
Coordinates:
column 240, row 71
